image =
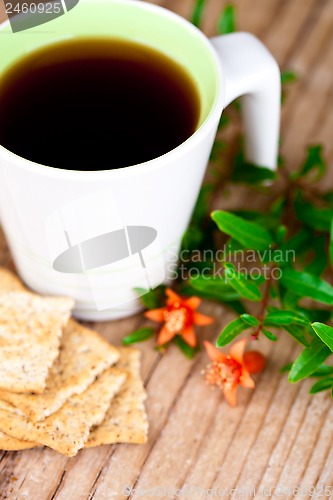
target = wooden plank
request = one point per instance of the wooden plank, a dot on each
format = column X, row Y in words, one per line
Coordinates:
column 319, row 454
column 183, row 8
column 283, row 34
column 270, row 433
column 307, row 112
column 254, row 16
column 325, row 477
column 300, row 454
column 288, row 436
column 317, row 37
column 3, row 15
column 278, row 435
column 304, row 61
column 250, row 426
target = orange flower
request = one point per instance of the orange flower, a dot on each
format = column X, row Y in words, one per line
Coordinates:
column 179, row 316
column 229, row 371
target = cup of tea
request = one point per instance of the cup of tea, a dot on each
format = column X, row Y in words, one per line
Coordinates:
column 107, row 118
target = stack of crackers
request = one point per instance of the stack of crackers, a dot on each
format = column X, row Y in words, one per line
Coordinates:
column 62, row 385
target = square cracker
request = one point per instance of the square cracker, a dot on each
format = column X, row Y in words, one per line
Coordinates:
column 30, row 330
column 68, row 429
column 83, row 355
column 8, row 443
column 126, row 420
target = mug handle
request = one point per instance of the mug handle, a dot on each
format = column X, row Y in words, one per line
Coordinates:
column 251, row 71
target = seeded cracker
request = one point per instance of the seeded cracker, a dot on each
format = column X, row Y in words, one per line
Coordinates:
column 68, row 429
column 84, row 354
column 8, row 443
column 30, row 330
column 126, row 420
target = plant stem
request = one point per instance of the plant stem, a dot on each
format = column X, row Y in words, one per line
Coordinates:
column 263, row 307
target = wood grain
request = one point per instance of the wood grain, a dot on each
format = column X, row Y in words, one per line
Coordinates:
column 279, row 436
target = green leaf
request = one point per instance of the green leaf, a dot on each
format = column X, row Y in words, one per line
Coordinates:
column 286, row 368
column 314, row 162
column 289, row 299
column 298, row 243
column 322, row 385
column 269, row 335
column 236, row 105
column 241, row 284
column 328, row 196
column 196, row 268
column 309, row 360
column 214, row 288
column 200, row 210
column 217, row 149
column 249, row 234
column 325, row 333
column 193, row 238
column 298, row 334
column 278, row 207
column 233, row 246
column 187, row 350
column 138, row 336
column 281, row 234
column 251, row 174
column 282, row 318
column 258, row 217
column 227, row 21
column 320, row 260
column 323, row 371
column 231, row 331
column 269, row 220
column 224, row 121
column 307, row 285
column 314, row 315
column 237, row 306
column 197, row 13
column 257, row 278
column 151, row 299
column 199, row 233
column 288, row 77
column 316, row 218
column 250, row 320
column 331, row 243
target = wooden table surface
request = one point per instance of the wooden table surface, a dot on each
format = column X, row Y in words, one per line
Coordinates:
column 279, row 436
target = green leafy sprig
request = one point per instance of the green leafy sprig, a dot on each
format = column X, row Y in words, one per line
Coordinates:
column 296, row 295
column 290, row 292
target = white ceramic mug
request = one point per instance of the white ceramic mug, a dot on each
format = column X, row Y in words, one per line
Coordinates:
column 97, row 235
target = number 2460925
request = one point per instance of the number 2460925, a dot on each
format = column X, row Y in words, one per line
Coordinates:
column 33, row 8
